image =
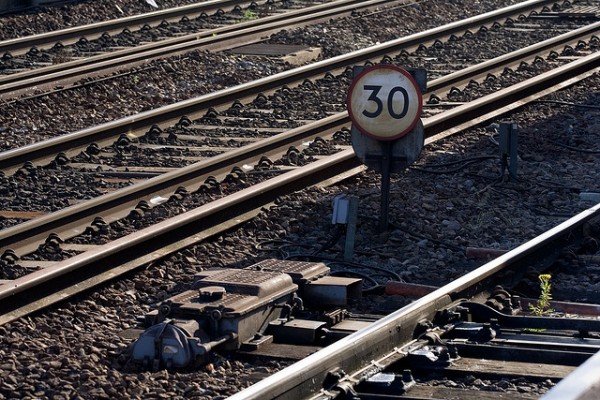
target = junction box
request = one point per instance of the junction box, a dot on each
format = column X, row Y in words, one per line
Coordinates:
column 229, row 307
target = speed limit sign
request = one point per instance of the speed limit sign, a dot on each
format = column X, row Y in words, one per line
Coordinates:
column 384, row 102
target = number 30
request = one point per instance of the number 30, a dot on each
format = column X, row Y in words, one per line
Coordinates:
column 390, row 106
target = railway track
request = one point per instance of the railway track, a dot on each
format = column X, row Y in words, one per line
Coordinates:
column 466, row 327
column 69, row 36
column 137, row 125
column 22, row 239
column 25, row 238
column 65, row 74
column 227, row 195
column 217, row 39
column 211, row 14
column 102, row 97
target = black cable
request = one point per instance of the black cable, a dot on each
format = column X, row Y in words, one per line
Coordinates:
column 575, row 148
column 504, row 168
column 418, row 236
column 284, row 244
column 556, row 185
column 358, row 265
column 465, row 163
column 355, row 274
column 424, row 237
column 378, row 289
column 262, row 242
column 535, row 210
column 447, row 163
column 565, row 103
column 331, row 260
column 337, row 234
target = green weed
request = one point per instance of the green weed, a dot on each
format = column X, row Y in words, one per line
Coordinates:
column 542, row 306
column 249, row 15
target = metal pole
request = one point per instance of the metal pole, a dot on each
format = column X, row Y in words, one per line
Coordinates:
column 386, row 167
column 351, row 228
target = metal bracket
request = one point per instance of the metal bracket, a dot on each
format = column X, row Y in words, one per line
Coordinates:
column 345, row 211
column 508, row 148
column 482, row 313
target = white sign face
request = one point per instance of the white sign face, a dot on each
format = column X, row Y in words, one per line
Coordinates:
column 384, row 102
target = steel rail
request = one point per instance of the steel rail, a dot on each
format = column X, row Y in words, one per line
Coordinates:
column 70, row 221
column 173, row 230
column 137, row 125
column 22, row 45
column 515, row 96
column 213, row 39
column 581, row 384
column 166, row 239
column 514, row 58
column 305, row 379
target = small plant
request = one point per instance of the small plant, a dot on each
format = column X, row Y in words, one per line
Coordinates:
column 542, row 306
column 249, row 15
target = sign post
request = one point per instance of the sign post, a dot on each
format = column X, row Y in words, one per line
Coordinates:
column 385, row 103
column 386, row 173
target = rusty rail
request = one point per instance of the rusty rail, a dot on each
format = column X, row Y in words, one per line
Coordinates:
column 137, row 125
column 186, row 229
column 213, row 39
column 22, row 45
column 25, row 237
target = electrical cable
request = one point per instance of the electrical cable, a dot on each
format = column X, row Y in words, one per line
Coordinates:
column 419, row 236
column 284, row 244
column 565, row 103
column 493, row 140
column 447, row 163
column 556, row 185
column 287, row 256
column 535, row 210
column 425, row 237
column 337, row 234
column 364, row 277
column 575, row 148
column 333, row 261
column 465, row 163
column 504, row 168
column 358, row 265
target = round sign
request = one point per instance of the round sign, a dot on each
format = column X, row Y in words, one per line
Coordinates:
column 384, row 102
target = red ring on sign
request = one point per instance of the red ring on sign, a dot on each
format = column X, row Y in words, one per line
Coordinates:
column 357, row 120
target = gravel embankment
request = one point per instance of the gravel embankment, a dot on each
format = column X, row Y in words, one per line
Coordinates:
column 74, row 351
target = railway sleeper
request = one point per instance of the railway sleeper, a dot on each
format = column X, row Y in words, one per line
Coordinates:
column 471, row 341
